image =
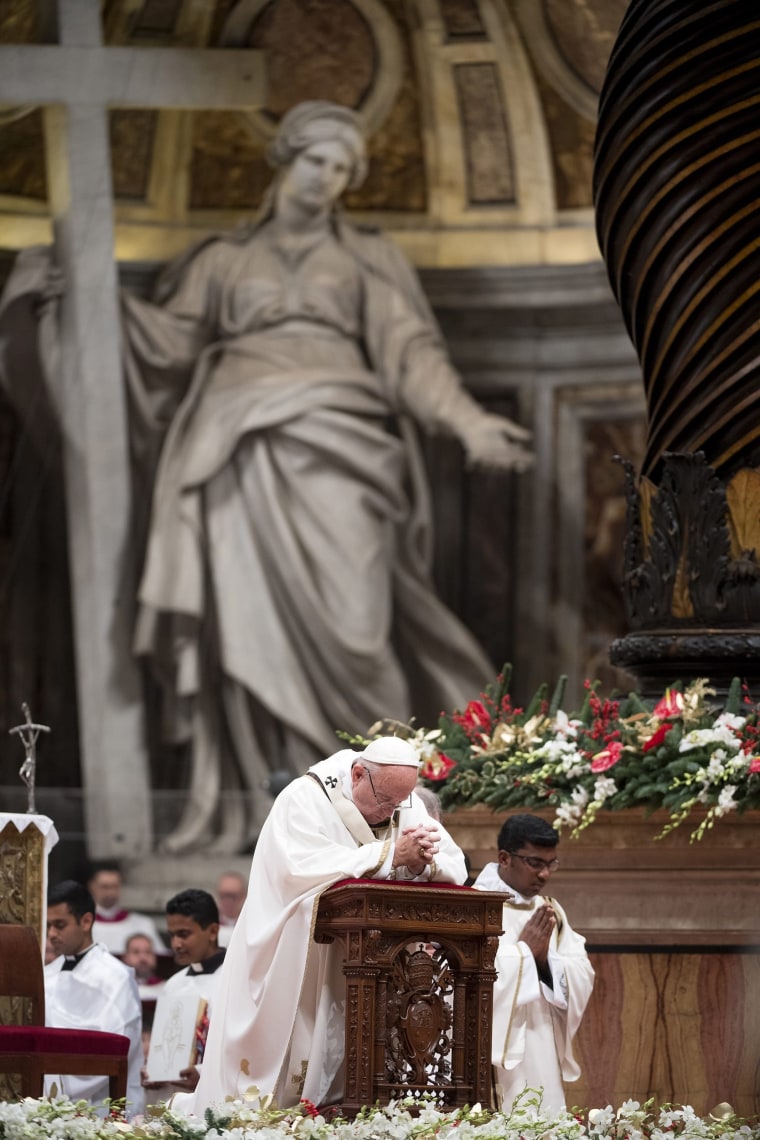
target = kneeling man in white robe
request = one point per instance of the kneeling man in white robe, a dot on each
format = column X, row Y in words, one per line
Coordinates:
column 544, row 975
column 278, row 1020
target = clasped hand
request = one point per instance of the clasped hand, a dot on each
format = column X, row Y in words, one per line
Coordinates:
column 416, row 847
column 537, row 932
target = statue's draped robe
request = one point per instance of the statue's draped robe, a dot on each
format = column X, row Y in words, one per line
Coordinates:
column 279, row 1011
column 289, row 544
column 534, row 1024
column 287, row 588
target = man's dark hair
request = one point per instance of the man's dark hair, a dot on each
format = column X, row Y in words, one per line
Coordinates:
column 75, row 895
column 102, row 865
column 525, row 828
column 196, row 904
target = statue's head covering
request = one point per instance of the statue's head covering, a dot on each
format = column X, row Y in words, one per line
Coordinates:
column 391, row 750
column 318, row 120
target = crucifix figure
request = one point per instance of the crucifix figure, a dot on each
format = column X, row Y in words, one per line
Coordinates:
column 29, row 732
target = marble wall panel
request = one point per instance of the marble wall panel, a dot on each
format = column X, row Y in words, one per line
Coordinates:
column 485, row 135
column 677, row 1026
column 132, row 134
column 462, row 20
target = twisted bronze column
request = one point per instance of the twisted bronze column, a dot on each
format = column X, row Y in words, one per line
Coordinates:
column 677, row 198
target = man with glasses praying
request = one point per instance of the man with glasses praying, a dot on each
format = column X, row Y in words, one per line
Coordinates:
column 279, row 1009
column 544, row 975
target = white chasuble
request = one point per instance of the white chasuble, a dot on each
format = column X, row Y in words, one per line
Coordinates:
column 278, row 1020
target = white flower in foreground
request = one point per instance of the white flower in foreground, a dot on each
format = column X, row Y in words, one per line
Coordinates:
column 601, row 1118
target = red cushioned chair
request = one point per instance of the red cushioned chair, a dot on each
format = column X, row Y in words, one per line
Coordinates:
column 32, row 1050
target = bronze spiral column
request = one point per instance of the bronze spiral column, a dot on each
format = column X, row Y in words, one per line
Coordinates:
column 677, row 198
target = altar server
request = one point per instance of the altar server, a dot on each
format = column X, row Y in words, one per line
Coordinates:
column 86, row 987
column 544, row 975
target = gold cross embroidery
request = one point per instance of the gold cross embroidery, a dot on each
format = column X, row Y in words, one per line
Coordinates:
column 299, row 1079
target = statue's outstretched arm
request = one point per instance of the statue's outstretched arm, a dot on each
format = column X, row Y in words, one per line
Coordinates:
column 408, row 351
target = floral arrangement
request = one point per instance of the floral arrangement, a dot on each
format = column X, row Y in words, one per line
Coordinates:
column 257, row 1118
column 679, row 753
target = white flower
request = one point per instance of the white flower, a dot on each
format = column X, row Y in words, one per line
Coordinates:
column 564, row 727
column 726, row 801
column 731, row 720
column 718, row 734
column 558, row 751
column 601, row 1117
column 567, row 815
column 603, row 788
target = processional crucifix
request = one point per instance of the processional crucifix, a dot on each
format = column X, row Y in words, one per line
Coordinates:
column 29, row 732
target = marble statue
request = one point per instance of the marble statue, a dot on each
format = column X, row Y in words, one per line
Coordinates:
column 281, row 374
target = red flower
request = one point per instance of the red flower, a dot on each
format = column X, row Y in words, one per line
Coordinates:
column 656, row 738
column 755, row 764
column 437, row 766
column 476, row 716
column 609, row 757
column 670, row 705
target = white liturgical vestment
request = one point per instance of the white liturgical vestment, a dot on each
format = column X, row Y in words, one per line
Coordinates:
column 534, row 1024
column 278, row 1019
column 99, row 993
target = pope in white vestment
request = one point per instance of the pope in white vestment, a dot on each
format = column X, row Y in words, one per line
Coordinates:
column 100, row 992
column 278, row 1020
column 536, row 1013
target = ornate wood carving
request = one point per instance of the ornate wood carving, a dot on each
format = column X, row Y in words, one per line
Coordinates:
column 418, row 1012
column 418, row 1019
column 22, row 862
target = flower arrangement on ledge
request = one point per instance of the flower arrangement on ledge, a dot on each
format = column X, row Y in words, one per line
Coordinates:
column 258, row 1119
column 679, row 753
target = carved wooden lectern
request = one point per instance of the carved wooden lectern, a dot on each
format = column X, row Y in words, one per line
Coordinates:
column 418, row 962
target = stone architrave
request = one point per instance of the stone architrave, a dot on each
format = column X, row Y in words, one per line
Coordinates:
column 79, row 79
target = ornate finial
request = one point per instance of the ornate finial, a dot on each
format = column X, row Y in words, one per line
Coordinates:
column 29, row 733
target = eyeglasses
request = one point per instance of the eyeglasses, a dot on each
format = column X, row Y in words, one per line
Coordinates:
column 535, row 863
column 387, row 805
